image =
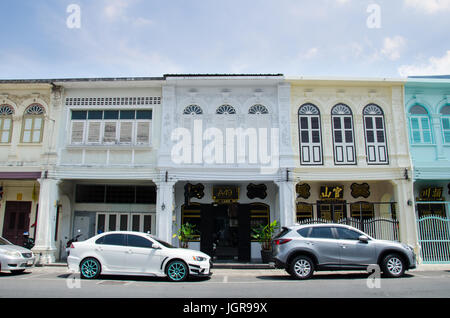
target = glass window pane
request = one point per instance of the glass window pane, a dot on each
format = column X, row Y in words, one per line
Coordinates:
column 370, row 136
column 37, row 136
column 415, row 123
column 321, row 232
column 94, row 132
column 95, row 114
column 101, row 223
column 447, row 136
column 28, row 123
column 347, row 234
column 315, row 136
column 348, row 136
column 126, row 132
column 110, row 132
column 379, row 122
column 112, row 222
column 139, row 241
column 127, row 114
column 446, row 123
column 115, row 239
column 143, row 133
column 347, row 123
column 147, row 223
column 416, row 136
column 337, row 123
column 305, row 136
column 380, row 135
column 136, row 223
column 6, row 123
column 369, row 123
column 303, row 123
column 26, row 136
column 314, row 122
column 5, row 136
column 111, row 114
column 124, row 222
column 337, row 136
column 144, row 114
column 79, row 114
column 37, row 123
column 425, row 123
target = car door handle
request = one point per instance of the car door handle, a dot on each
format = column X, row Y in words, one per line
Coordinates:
column 99, row 249
column 344, row 246
column 310, row 243
column 129, row 252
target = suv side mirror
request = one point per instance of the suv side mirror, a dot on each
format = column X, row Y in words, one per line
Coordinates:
column 363, row 238
column 156, row 246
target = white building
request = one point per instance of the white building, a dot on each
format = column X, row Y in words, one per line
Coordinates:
column 225, row 146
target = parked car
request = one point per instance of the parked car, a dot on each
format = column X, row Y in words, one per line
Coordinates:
column 135, row 253
column 303, row 249
column 14, row 258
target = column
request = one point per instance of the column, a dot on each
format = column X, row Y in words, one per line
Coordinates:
column 405, row 213
column 165, row 206
column 286, row 202
column 46, row 222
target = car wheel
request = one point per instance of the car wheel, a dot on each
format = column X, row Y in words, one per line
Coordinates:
column 90, row 268
column 302, row 267
column 393, row 266
column 177, row 271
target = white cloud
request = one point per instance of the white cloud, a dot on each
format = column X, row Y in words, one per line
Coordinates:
column 115, row 9
column 309, row 54
column 434, row 66
column 429, row 6
column 393, row 47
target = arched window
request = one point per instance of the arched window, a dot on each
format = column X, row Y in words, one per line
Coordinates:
column 445, row 122
column 225, row 110
column 375, row 135
column 310, row 135
column 6, row 113
column 343, row 136
column 193, row 110
column 419, row 121
column 33, row 124
column 258, row 109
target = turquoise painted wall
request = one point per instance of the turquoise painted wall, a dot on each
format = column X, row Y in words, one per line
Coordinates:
column 429, row 133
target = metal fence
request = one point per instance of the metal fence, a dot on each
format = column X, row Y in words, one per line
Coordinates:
column 378, row 228
column 434, row 239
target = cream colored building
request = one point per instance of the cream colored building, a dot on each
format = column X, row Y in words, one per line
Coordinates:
column 28, row 130
column 350, row 150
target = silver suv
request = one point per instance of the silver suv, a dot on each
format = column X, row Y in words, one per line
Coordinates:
column 302, row 249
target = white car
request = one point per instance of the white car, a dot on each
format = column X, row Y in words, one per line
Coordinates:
column 14, row 258
column 135, row 253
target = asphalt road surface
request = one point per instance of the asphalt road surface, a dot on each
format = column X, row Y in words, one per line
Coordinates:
column 58, row 282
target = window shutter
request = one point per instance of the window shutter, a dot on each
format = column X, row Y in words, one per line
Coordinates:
column 109, row 135
column 126, row 132
column 143, row 132
column 77, row 132
column 94, row 132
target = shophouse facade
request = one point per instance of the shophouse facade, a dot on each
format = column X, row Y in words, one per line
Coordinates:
column 351, row 154
column 29, row 111
column 225, row 149
column 105, row 177
column 428, row 118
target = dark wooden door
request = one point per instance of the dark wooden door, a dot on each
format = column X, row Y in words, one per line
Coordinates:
column 244, row 233
column 17, row 221
column 206, row 229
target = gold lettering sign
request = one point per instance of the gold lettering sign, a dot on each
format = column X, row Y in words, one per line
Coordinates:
column 431, row 194
column 335, row 192
column 225, row 194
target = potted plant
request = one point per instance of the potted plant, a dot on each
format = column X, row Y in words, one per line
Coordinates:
column 186, row 233
column 263, row 234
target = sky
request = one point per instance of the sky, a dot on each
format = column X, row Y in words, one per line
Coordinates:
column 144, row 38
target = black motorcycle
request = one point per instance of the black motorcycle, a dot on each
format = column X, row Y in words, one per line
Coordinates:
column 28, row 242
column 69, row 242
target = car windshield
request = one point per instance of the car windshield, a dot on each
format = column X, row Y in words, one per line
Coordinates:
column 165, row 244
column 4, row 241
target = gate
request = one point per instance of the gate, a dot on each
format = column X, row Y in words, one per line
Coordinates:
column 378, row 228
column 434, row 239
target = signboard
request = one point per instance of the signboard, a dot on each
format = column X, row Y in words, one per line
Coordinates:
column 225, row 194
column 333, row 192
column 431, row 194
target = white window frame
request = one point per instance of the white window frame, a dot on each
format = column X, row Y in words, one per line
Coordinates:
column 376, row 151
column 311, row 153
column 345, row 151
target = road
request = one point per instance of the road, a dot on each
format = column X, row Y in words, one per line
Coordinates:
column 58, row 282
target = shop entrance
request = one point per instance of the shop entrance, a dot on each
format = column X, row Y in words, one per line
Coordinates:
column 225, row 231
column 17, row 221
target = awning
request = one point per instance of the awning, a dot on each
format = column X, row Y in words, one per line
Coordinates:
column 20, row 175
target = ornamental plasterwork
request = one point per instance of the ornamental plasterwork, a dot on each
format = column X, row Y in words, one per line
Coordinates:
column 6, row 110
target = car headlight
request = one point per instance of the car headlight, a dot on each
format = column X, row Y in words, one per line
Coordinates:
column 13, row 254
column 199, row 258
